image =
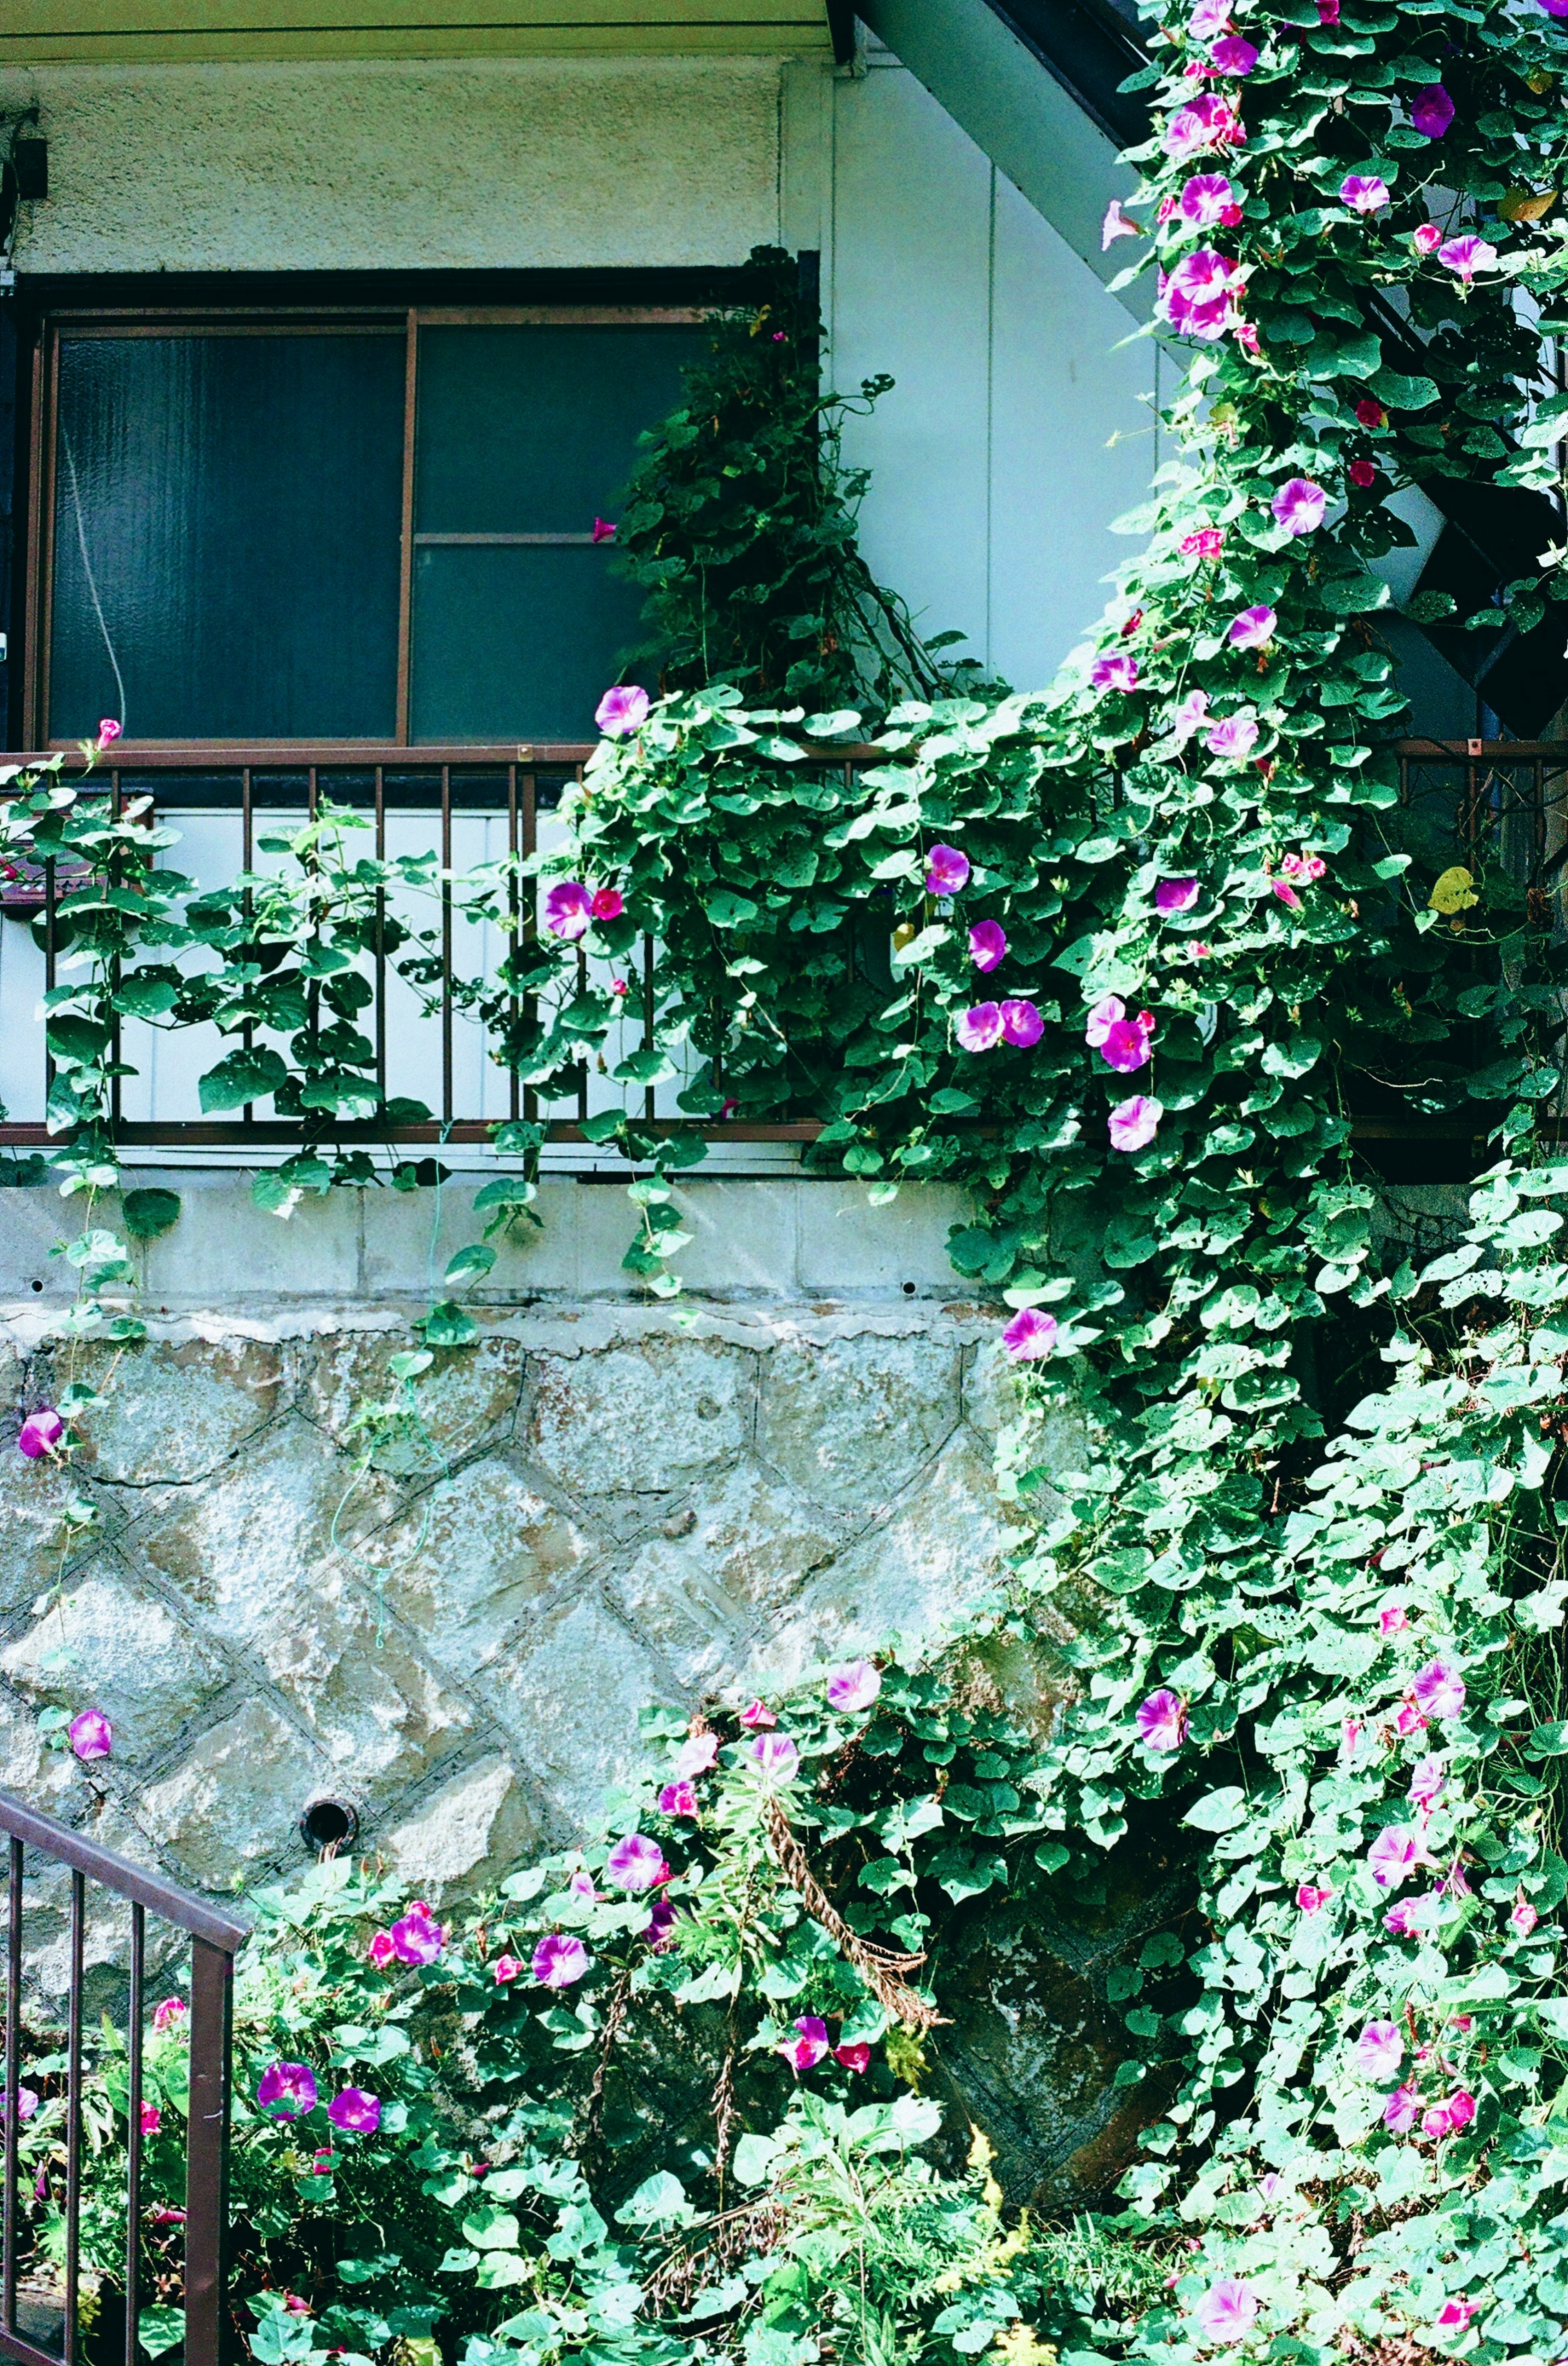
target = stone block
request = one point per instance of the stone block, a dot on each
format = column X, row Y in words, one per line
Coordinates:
column 174, row 1411
column 852, row 1421
column 640, row 1419
column 36, row 1544
column 234, row 1803
column 471, row 1559
column 225, row 1250
column 850, row 1249
column 469, row 1394
column 743, row 1243
column 568, row 1691
column 531, row 1260
column 381, row 1715
column 104, row 1643
column 47, row 1779
column 467, row 1833
column 30, row 1223
column 739, row 1549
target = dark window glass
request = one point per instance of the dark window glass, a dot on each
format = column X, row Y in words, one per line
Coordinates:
column 235, row 503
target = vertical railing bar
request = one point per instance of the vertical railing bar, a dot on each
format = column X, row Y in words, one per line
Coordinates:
column 74, row 2115
column 13, row 2074
column 514, row 933
column 133, row 2141
column 207, row 2155
column 530, row 846
column 649, row 1095
column 48, row 967
column 114, row 984
column 582, row 1065
column 445, row 944
column 247, row 1032
column 381, row 936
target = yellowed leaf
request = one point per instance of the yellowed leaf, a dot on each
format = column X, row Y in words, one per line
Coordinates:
column 1454, row 892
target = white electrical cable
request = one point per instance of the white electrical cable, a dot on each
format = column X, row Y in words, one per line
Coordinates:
column 87, row 567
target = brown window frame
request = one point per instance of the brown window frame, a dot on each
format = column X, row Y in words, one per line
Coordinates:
column 404, row 320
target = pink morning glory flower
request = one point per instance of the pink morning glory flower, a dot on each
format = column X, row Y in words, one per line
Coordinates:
column 855, row 1686
column 172, row 2009
column 755, row 1714
column 568, row 908
column 1402, row 2109
column 1392, row 1617
column 1162, row 1720
column 355, row 2111
column 1460, row 2108
column 110, row 730
column 1467, row 256
column 1380, row 2050
column 1132, row 1123
column 559, row 1960
column 1455, row 2314
column 151, row 2118
column 1233, row 738
column 1029, row 1335
column 1402, row 1922
column 1175, row 896
column 1127, row 1044
column 1234, row 56
column 1394, row 1855
column 1198, row 297
column 1524, row 1918
column 987, row 944
column 1327, row 12
column 1313, row 1896
column 91, row 1734
column 678, row 1799
column 776, row 1757
column 1363, row 473
column 1192, row 713
column 40, row 1434
column 1435, row 2122
column 1022, row 1024
column 622, row 709
column 1118, row 671
column 381, row 1951
column 287, row 2089
column 1299, row 505
column 607, row 903
column 1426, row 1779
column 1204, row 198
column 1287, row 893
column 1205, row 542
column 507, row 1969
column 979, row 1028
column 656, row 1930
column 1253, row 629
column 1228, row 2311
column 855, row 2055
column 1209, row 18
column 1555, row 8
column 1364, row 193
column 1432, row 112
column 418, row 1938
column 27, row 2102
column 946, row 871
column 1439, row 1689
column 1427, row 239
column 1101, row 1018
column 1119, row 223
column 603, row 531
column 635, row 1863
column 810, row 2043
column 695, row 1756
column 1208, row 122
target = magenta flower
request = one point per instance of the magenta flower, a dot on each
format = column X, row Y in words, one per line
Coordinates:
column 27, row 2102
column 1394, row 1855
column 776, row 1757
column 1127, row 1045
column 40, row 1434
column 607, row 903
column 987, row 944
column 1299, row 505
column 1198, row 299
column 1364, row 193
column 1302, row 866
column 1460, row 2108
column 696, row 1755
column 1029, row 1335
column 110, row 730
column 1119, row 223
column 1312, row 1896
column 287, row 2089
column 635, row 1863
column 1467, row 256
column 1427, row 1777
column 1234, row 56
column 678, row 1799
column 1455, row 2314
column 1432, row 112
column 1208, row 122
column 603, row 531
column 1402, row 2109
column 1233, row 738
column 622, row 709
column 418, row 1938
column 507, row 1969
column 660, row 1923
column 381, row 1951
column 1132, row 1123
column 1439, row 1689
column 1253, row 629
column 172, row 2009
column 855, row 2056
column 1427, row 238
column 853, row 1686
column 979, row 1028
column 1206, row 542
column 1392, row 1618
column 1162, row 1720
column 568, row 908
column 355, row 2111
column 1524, row 1918
column 1287, row 893
column 810, row 2043
column 1175, row 896
column 1118, row 671
column 1435, row 2122
column 1022, row 1024
column 559, row 1960
column 1380, row 2050
column 1327, row 12
column 1099, row 1020
column 756, row 1714
column 1209, row 18
column 91, row 1734
column 1228, row 2311
column 1555, row 8
column 946, row 871
column 1193, row 712
column 1401, row 1920
column 1204, row 198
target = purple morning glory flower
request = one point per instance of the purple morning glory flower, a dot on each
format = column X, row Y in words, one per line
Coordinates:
column 1118, row 671
column 1299, row 505
column 695, row 1755
column 1440, row 1689
column 635, row 1863
column 355, row 2111
column 1029, row 1335
column 987, row 944
column 1175, row 896
column 1394, row 1856
column 418, row 1938
column 40, row 1434
column 776, row 1757
column 91, row 1734
column 559, row 1960
column 678, row 1799
column 1022, row 1024
column 1134, row 1124
column 806, row 2049
column 1366, row 193
column 1204, row 198
column 947, row 870
column 1380, row 2050
column 979, row 1028
column 287, row 2089
column 1126, row 1045
column 855, row 1686
column 1234, row 737
column 1253, row 629
column 1199, row 297
column 1234, row 56
column 622, row 709
column 27, row 2102
column 568, row 908
column 1228, row 2311
column 1432, row 113
column 1162, row 1720
column 1467, row 256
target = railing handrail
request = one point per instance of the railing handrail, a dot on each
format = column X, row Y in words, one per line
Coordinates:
column 153, row 1890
